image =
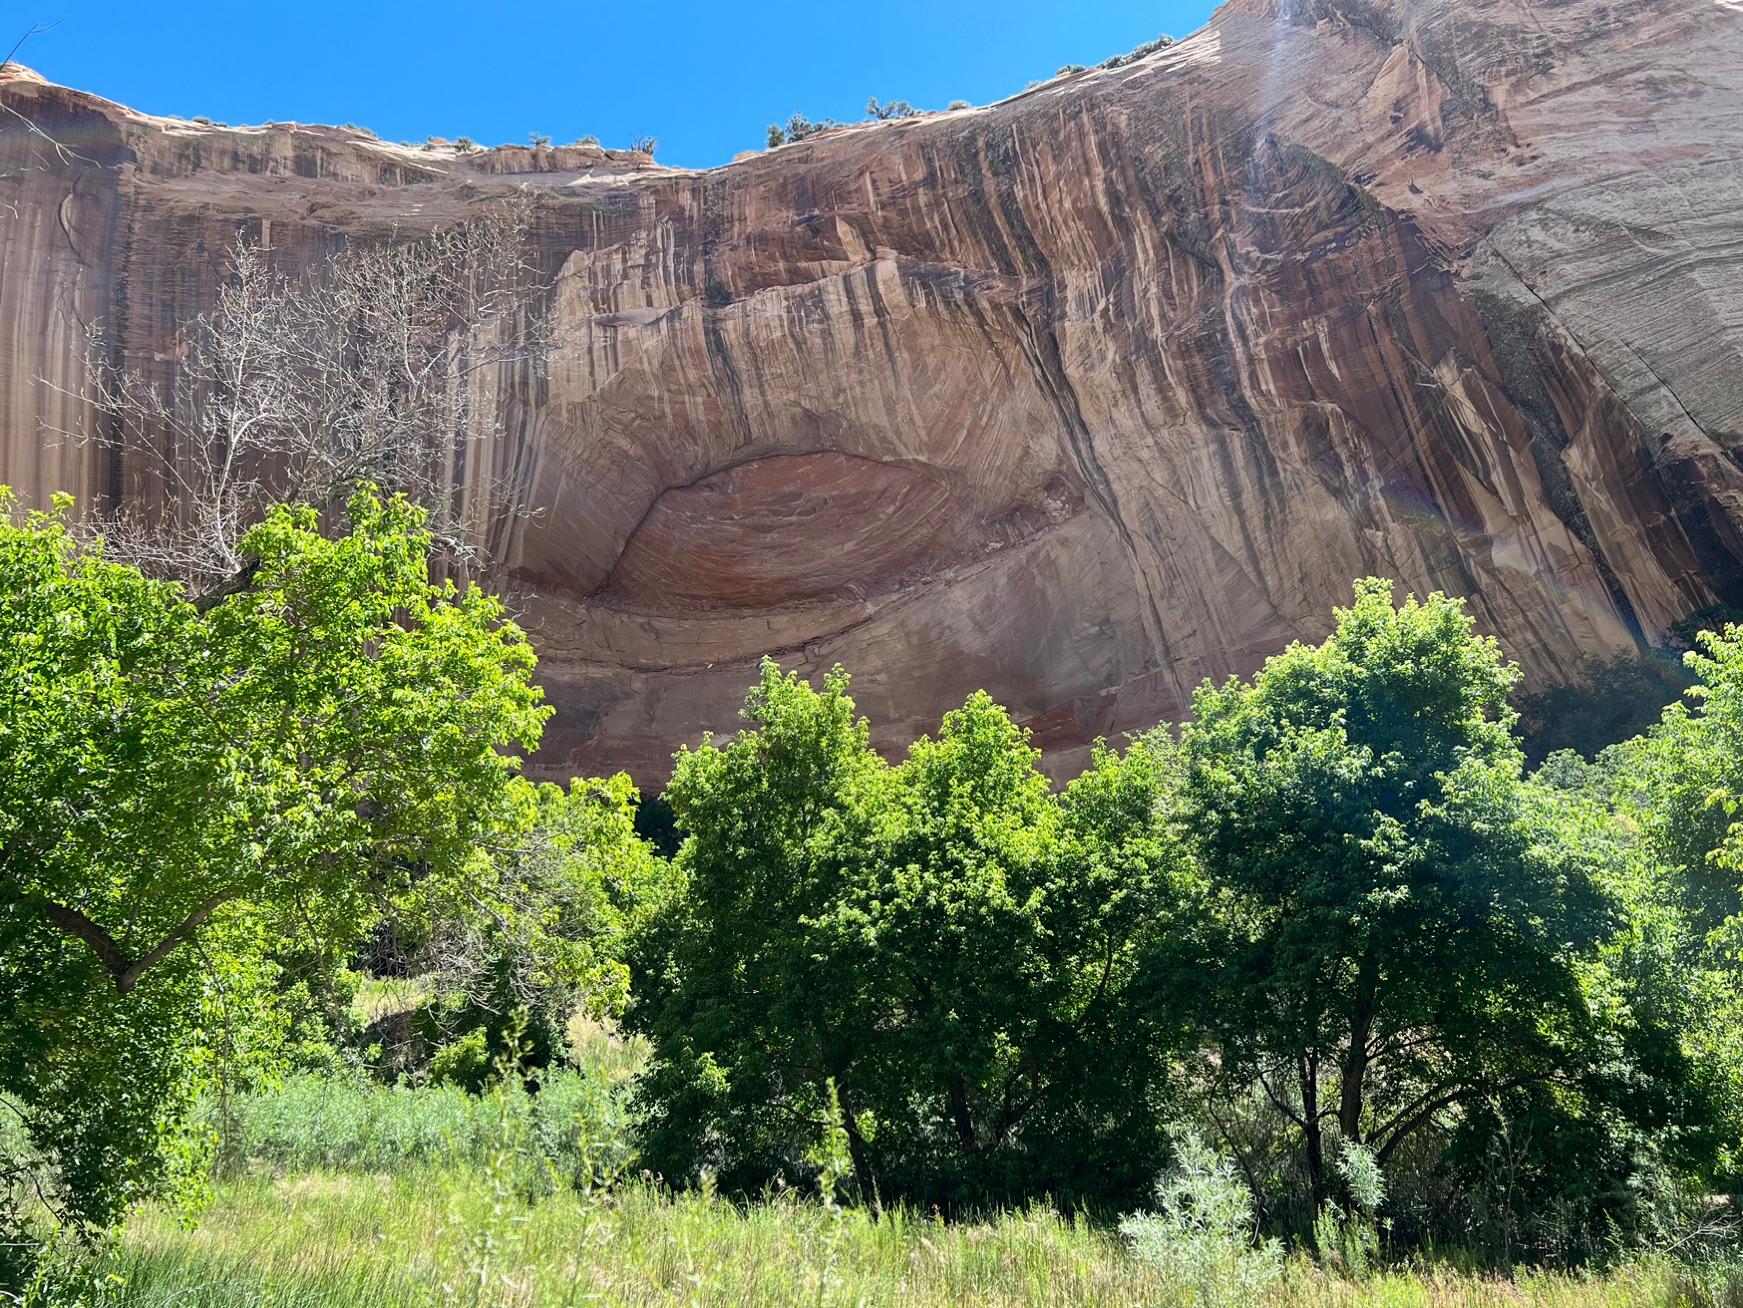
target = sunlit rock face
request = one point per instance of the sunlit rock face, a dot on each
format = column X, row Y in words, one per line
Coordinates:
column 1082, row 397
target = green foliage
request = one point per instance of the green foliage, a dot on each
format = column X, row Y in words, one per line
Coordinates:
column 876, row 109
column 575, row 1128
column 1690, row 766
column 463, row 1062
column 411, row 1240
column 331, row 738
column 1140, row 52
column 544, row 936
column 1417, row 997
column 1714, row 618
column 1415, row 928
column 941, row 949
column 1337, row 918
column 1614, row 699
column 726, row 977
column 1347, row 1235
column 1202, row 1238
column 797, row 128
column 1680, row 787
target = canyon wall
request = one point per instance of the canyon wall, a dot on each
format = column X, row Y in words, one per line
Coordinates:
column 1081, row 397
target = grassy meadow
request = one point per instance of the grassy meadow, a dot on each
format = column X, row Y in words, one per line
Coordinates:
column 326, row 1239
column 340, row 1192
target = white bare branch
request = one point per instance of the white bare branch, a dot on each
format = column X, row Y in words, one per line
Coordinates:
column 387, row 362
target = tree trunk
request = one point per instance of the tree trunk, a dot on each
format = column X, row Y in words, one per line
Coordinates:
column 1312, row 1136
column 1353, row 1073
column 856, row 1151
column 960, row 1115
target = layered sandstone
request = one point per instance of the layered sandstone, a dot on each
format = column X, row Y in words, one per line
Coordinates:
column 1081, row 397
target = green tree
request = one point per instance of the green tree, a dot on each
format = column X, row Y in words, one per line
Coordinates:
column 1614, row 699
column 727, row 979
column 1620, row 1143
column 545, row 936
column 333, row 736
column 1681, row 786
column 937, row 960
column 1688, row 770
column 1019, row 949
column 1407, row 939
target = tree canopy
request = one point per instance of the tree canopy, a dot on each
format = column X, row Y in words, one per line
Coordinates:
column 1329, row 923
column 932, row 958
column 335, row 736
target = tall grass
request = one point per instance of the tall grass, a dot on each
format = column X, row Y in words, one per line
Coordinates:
column 575, row 1129
column 323, row 1240
column 340, row 1193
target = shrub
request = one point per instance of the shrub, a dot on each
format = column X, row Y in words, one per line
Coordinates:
column 1347, row 1235
column 1201, row 1238
column 894, row 109
column 797, row 129
column 575, row 1129
column 464, row 1062
column 1140, row 52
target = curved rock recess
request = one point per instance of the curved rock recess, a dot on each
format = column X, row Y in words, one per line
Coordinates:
column 1081, row 397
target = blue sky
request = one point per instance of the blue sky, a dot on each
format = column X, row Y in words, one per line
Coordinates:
column 705, row 79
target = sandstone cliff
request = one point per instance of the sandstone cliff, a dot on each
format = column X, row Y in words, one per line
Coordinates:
column 1081, row 397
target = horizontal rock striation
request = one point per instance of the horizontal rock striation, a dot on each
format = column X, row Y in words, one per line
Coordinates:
column 1082, row 397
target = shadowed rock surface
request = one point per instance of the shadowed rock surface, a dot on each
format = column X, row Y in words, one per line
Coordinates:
column 1081, row 397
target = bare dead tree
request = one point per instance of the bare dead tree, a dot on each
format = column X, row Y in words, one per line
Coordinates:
column 387, row 362
column 31, row 32
column 12, row 114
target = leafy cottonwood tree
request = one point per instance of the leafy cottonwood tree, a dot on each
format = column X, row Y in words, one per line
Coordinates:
column 1621, row 1142
column 742, row 1011
column 1680, row 786
column 548, row 933
column 935, row 960
column 942, row 926
column 1407, row 940
column 333, row 737
column 1015, row 946
column 1689, row 771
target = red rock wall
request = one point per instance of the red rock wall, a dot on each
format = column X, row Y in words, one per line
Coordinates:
column 1082, row 397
